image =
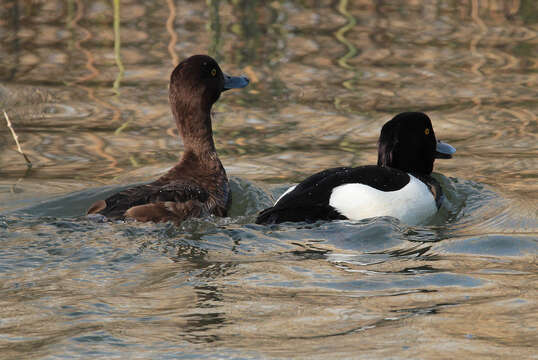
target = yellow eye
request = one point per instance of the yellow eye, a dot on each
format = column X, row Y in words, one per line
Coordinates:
column 213, row 72
column 427, row 131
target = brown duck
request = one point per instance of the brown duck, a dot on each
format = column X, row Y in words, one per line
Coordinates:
column 197, row 186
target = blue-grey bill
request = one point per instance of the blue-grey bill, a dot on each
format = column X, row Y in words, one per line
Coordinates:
column 234, row 82
column 444, row 150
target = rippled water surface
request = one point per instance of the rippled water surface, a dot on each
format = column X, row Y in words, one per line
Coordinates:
column 84, row 84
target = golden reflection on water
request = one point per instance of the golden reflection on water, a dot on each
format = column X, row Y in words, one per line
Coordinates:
column 325, row 81
column 85, row 85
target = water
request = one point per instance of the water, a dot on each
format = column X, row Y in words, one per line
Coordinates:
column 85, row 87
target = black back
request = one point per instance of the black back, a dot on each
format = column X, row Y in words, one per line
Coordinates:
column 309, row 201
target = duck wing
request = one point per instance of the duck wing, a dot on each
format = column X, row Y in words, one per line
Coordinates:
column 309, row 200
column 157, row 193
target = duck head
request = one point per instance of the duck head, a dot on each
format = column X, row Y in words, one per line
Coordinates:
column 195, row 85
column 407, row 142
column 199, row 79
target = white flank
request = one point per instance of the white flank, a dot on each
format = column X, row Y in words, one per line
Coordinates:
column 285, row 192
column 413, row 204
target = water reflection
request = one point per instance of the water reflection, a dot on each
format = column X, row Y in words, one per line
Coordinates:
column 367, row 83
column 85, row 85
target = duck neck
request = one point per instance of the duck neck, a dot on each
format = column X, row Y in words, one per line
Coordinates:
column 195, row 129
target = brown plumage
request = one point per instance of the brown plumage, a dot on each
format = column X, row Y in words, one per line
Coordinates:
column 197, row 186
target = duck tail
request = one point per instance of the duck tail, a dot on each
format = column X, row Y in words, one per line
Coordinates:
column 268, row 216
column 276, row 215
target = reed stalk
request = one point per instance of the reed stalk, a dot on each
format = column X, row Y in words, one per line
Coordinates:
column 16, row 138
